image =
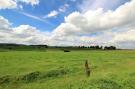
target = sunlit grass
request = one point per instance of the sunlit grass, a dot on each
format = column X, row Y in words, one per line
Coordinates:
column 60, row 70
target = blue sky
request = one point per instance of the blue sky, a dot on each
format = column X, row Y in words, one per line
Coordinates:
column 45, row 7
column 68, row 22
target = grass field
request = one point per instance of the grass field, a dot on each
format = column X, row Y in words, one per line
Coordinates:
column 61, row 70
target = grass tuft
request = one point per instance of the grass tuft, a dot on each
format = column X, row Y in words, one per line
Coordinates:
column 104, row 84
column 5, row 79
column 30, row 76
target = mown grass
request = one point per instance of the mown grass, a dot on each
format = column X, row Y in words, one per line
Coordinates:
column 60, row 70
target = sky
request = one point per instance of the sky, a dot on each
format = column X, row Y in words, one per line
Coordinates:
column 68, row 22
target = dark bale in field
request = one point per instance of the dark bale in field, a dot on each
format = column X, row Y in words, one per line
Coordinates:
column 66, row 51
column 110, row 48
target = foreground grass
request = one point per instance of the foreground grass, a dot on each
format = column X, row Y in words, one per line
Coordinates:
column 59, row 70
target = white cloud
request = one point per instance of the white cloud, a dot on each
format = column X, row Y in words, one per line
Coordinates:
column 7, row 4
column 36, row 17
column 12, row 4
column 32, row 2
column 23, row 34
column 94, row 27
column 98, row 20
column 125, row 36
column 29, row 35
column 63, row 8
column 20, row 7
column 32, row 16
column 53, row 13
column 95, row 4
column 4, row 23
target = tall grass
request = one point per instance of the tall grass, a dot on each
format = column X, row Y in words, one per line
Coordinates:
column 61, row 70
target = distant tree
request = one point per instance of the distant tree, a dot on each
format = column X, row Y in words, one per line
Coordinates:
column 101, row 47
column 97, row 47
column 39, row 46
column 46, row 46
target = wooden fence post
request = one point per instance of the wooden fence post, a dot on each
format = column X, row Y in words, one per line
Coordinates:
column 87, row 68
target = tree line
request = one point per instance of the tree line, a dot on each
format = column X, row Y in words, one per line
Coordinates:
column 97, row 47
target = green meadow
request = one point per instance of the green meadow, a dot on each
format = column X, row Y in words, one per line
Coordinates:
column 55, row 69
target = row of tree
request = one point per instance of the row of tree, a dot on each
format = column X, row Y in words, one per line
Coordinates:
column 97, row 47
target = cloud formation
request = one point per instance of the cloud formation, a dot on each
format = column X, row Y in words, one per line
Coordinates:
column 94, row 27
column 95, row 4
column 4, row 23
column 32, row 2
column 23, row 34
column 12, row 4
column 53, row 13
column 63, row 8
column 98, row 20
column 7, row 4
